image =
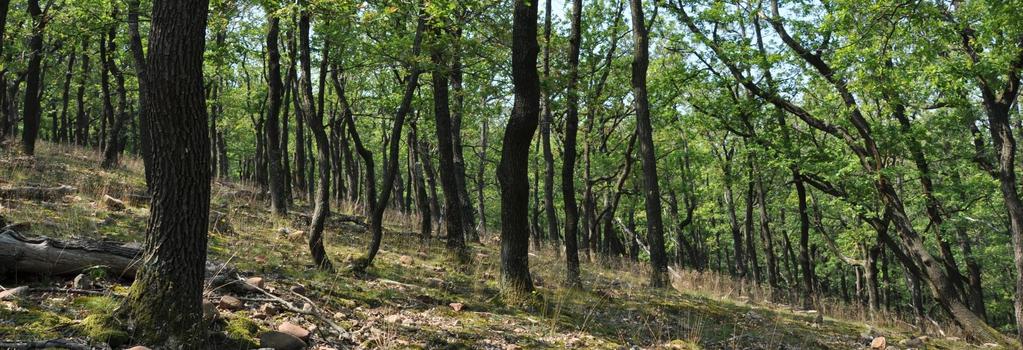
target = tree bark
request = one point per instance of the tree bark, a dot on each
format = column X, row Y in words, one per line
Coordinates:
column 568, row 163
column 33, row 81
column 448, row 177
column 62, row 128
column 118, row 137
column 315, row 122
column 548, row 155
column 165, row 302
column 278, row 196
column 82, row 118
column 512, row 170
column 458, row 155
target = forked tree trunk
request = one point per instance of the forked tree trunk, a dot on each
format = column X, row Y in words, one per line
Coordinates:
column 315, row 122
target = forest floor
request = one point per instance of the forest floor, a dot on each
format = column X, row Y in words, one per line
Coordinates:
column 414, row 296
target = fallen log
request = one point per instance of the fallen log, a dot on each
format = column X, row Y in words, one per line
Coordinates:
column 52, row 257
column 36, row 193
column 46, row 256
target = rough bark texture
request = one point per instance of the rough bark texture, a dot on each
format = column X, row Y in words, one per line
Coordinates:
column 315, row 122
column 33, row 80
column 458, row 154
column 449, row 183
column 278, row 196
column 545, row 132
column 651, row 190
column 82, row 117
column 512, row 170
column 568, row 166
column 165, row 302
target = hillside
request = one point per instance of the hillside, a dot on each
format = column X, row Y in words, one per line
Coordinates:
column 412, row 297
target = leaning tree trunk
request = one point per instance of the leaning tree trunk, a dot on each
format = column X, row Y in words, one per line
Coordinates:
column 391, row 167
column 165, row 302
column 33, row 83
column 512, row 172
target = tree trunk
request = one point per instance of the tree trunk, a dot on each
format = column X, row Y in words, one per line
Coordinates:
column 458, row 155
column 315, row 122
column 481, row 180
column 765, row 233
column 804, row 245
column 33, row 81
column 422, row 198
column 82, row 118
column 61, row 130
column 278, row 196
column 448, row 177
column 118, row 137
column 548, row 155
column 512, row 170
column 165, row 302
column 568, row 165
column 651, row 190
column 380, row 205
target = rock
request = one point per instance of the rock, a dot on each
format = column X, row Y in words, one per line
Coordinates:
column 405, row 260
column 255, row 282
column 911, row 343
column 82, row 281
column 294, row 329
column 138, row 347
column 113, row 204
column 269, row 309
column 13, row 293
column 280, row 341
column 230, row 303
column 891, row 347
column 879, row 343
column 297, row 289
column 209, row 311
column 457, row 306
column 989, row 345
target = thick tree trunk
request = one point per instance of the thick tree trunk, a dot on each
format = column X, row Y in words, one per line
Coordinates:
column 442, row 117
column 165, row 303
column 512, row 170
column 278, row 196
column 33, row 80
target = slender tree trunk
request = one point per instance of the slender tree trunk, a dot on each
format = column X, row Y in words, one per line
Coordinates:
column 118, row 137
column 315, row 122
column 165, row 302
column 548, row 157
column 278, row 196
column 448, row 176
column 804, row 244
column 568, row 162
column 751, row 251
column 766, row 237
column 33, row 81
column 380, row 205
column 458, row 155
column 139, row 61
column 422, row 198
column 82, row 118
column 481, row 180
column 61, row 130
column 512, row 170
column 300, row 139
column 107, row 115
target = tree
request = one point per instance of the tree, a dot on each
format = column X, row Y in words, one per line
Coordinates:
column 651, row 189
column 278, row 196
column 33, row 81
column 314, row 120
column 512, row 171
column 164, row 304
column 442, row 116
column 568, row 166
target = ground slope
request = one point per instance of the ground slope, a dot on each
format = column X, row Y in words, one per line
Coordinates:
column 413, row 297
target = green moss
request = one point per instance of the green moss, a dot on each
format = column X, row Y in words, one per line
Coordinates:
column 240, row 329
column 104, row 327
column 31, row 324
